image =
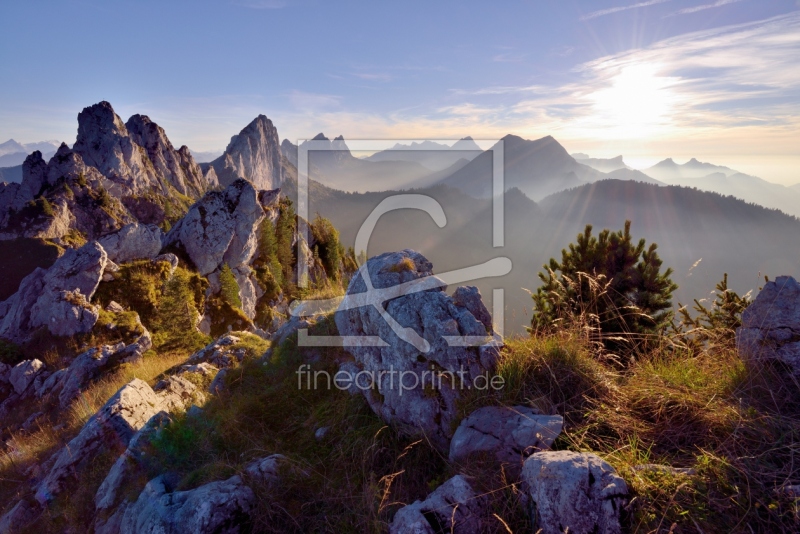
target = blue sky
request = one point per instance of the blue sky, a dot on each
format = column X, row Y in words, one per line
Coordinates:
column 715, row 79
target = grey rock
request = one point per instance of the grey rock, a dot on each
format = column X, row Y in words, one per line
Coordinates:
column 56, row 297
column 469, row 297
column 132, row 242
column 121, row 473
column 443, row 370
column 217, row 507
column 115, row 307
column 254, row 155
column 217, row 385
column 176, row 393
column 18, row 517
column 453, row 507
column 220, row 228
column 170, row 258
column 112, row 426
column 175, row 167
column 203, row 368
column 771, row 325
column 104, row 143
column 23, row 374
column 510, row 434
column 221, row 353
column 321, row 432
column 575, row 491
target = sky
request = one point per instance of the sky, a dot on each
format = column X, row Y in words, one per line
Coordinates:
column 714, row 79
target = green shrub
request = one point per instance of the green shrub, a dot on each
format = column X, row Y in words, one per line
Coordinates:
column 610, row 283
column 229, row 287
column 330, row 250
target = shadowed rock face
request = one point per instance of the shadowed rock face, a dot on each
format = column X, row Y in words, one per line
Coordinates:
column 575, row 491
column 771, row 325
column 254, row 155
column 429, row 407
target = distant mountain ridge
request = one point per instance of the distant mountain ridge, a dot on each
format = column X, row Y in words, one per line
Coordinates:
column 13, row 153
column 601, row 164
column 430, row 154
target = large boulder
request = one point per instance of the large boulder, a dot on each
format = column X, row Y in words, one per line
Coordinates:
column 771, row 325
column 454, row 507
column 575, row 491
column 509, row 434
column 220, row 228
column 112, row 427
column 217, row 507
column 132, row 242
column 23, row 375
column 413, row 389
column 58, row 297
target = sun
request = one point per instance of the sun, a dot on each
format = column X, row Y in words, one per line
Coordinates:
column 637, row 103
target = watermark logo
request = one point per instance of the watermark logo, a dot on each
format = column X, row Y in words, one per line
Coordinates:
column 375, row 298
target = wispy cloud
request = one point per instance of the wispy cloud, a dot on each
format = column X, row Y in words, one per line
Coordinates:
column 612, row 10
column 703, row 7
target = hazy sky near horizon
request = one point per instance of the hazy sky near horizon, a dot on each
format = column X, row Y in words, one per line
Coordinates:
column 714, row 79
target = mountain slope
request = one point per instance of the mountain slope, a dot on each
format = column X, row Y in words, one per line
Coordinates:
column 601, row 164
column 431, row 155
column 253, row 154
column 744, row 240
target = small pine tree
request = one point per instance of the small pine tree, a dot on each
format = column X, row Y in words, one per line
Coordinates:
column 229, row 288
column 328, row 246
column 284, row 236
column 616, row 282
column 717, row 323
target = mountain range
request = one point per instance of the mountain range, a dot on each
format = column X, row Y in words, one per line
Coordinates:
column 133, row 173
column 13, row 153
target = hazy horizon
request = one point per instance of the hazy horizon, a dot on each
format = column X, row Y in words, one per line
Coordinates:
column 713, row 80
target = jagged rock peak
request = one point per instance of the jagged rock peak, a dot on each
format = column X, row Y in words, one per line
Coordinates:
column 254, row 155
column 177, row 167
column 104, row 143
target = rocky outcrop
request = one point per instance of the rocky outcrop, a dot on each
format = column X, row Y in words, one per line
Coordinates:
column 425, row 403
column 110, row 428
column 771, row 325
column 254, row 155
column 216, row 507
column 22, row 375
column 56, row 298
column 509, row 434
column 222, row 353
column 125, row 468
column 453, row 507
column 132, row 242
column 220, row 228
column 575, row 491
column 176, row 167
column 104, row 143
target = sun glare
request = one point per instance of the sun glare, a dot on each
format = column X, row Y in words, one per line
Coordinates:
column 637, row 104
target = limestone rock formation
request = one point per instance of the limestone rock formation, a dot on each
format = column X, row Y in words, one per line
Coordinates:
column 216, row 507
column 453, row 507
column 132, row 242
column 176, row 167
column 56, row 297
column 254, row 155
column 510, row 434
column 575, row 491
column 771, row 325
column 111, row 427
column 220, row 228
column 23, row 374
column 425, row 404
